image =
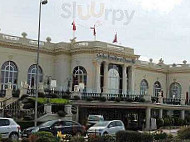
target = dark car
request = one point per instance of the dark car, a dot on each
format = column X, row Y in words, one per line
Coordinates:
column 57, row 126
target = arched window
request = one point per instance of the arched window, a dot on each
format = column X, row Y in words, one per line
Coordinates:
column 113, row 81
column 79, row 76
column 157, row 88
column 143, row 87
column 9, row 73
column 175, row 90
column 32, row 75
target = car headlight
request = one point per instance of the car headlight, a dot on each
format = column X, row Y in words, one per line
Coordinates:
column 100, row 130
column 35, row 130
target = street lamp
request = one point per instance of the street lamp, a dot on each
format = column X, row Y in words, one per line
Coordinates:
column 37, row 62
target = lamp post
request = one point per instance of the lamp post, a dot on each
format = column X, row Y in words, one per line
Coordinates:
column 37, row 62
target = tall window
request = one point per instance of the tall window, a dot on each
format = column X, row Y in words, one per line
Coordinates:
column 32, row 75
column 175, row 90
column 9, row 73
column 79, row 76
column 157, row 88
column 143, row 87
column 113, row 81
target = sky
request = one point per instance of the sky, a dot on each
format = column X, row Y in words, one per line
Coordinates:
column 153, row 28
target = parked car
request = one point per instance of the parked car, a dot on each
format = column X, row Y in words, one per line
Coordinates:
column 93, row 119
column 55, row 126
column 106, row 127
column 9, row 128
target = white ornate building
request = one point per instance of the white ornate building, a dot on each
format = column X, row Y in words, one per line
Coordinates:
column 105, row 69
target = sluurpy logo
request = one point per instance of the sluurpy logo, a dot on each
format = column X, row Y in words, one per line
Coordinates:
column 94, row 10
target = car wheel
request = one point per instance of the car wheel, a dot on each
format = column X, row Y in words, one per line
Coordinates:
column 105, row 133
column 78, row 134
column 14, row 136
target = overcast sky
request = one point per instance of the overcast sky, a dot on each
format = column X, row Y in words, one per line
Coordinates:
column 154, row 28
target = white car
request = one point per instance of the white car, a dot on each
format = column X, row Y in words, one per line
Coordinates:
column 9, row 128
column 106, row 127
column 93, row 119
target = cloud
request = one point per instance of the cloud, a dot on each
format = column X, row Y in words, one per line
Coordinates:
column 160, row 5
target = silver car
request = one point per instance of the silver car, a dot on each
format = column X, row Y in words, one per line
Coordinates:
column 106, row 128
column 9, row 128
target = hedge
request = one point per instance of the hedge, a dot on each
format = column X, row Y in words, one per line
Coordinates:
column 133, row 136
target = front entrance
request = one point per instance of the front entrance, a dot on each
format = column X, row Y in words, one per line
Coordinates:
column 133, row 118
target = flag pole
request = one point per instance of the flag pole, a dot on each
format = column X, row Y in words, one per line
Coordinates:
column 73, row 34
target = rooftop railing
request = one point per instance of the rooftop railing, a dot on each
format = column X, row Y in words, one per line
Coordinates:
column 104, row 46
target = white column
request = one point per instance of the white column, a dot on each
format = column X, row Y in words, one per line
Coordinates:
column 148, row 116
column 160, row 113
column 183, row 114
column 98, row 89
column 77, row 114
column 131, row 79
column 105, row 90
column 124, row 87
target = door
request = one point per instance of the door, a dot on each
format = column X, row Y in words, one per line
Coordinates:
column 111, row 128
column 119, row 126
column 5, row 128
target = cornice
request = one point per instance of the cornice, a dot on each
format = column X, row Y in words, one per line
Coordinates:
column 93, row 51
column 164, row 71
column 25, row 48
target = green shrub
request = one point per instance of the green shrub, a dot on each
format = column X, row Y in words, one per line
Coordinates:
column 77, row 139
column 61, row 113
column 168, row 121
column 129, row 100
column 96, row 139
column 53, row 95
column 67, row 96
column 121, row 136
column 112, row 99
column 108, row 138
column 89, row 99
column 23, row 97
column 145, row 137
column 128, row 136
column 117, row 99
column 159, row 122
column 178, row 121
column 184, row 133
column 160, row 136
column 43, row 136
column 25, row 140
column 41, row 95
column 133, row 136
column 28, row 106
column 76, row 98
column 6, row 140
column 141, row 99
column 102, row 99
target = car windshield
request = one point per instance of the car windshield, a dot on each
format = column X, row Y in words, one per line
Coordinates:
column 48, row 123
column 101, row 124
column 93, row 118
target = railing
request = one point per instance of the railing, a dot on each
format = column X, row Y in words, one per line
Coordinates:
column 171, row 101
column 104, row 46
column 31, row 92
column 112, row 97
column 93, row 95
column 9, row 38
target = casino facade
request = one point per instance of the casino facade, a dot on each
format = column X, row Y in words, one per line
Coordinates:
column 145, row 89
